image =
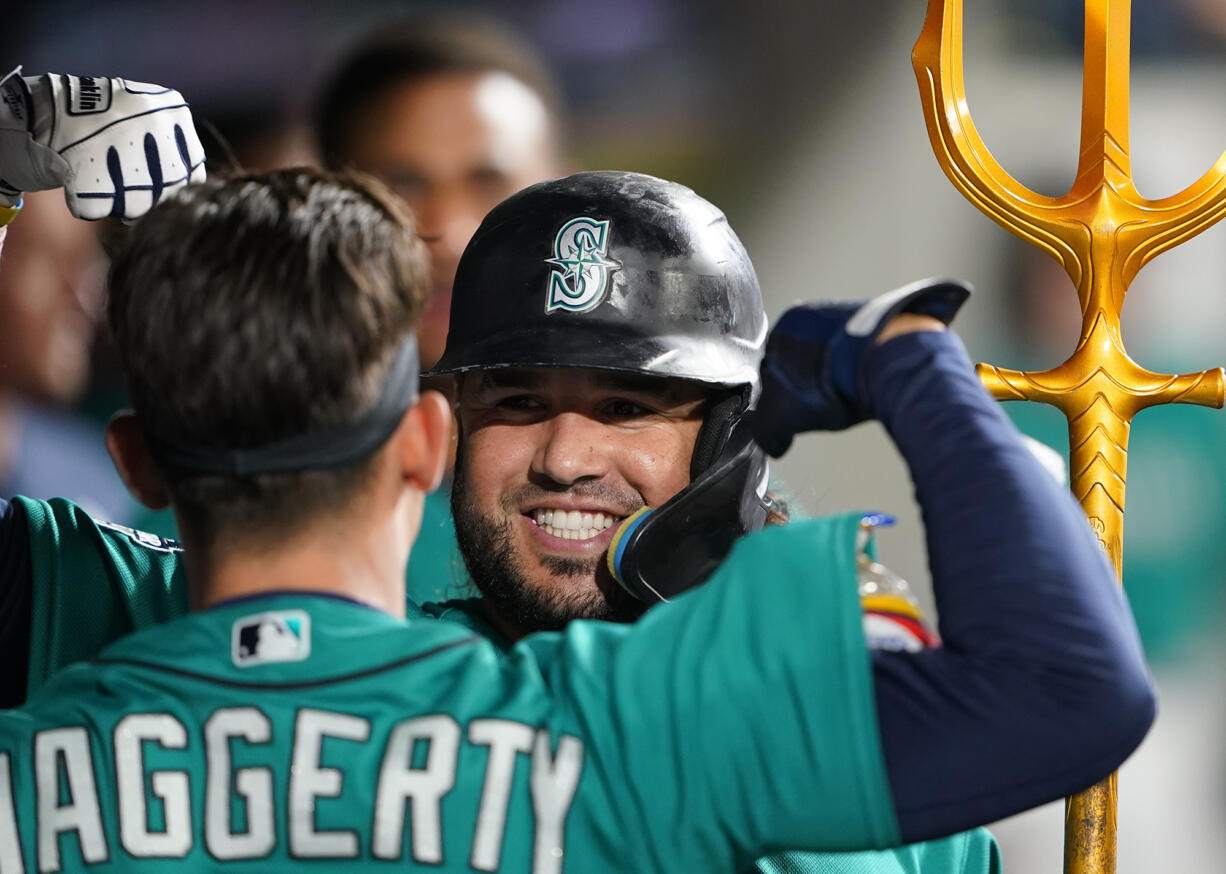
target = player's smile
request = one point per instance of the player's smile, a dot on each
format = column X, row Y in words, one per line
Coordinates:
column 573, row 524
column 573, row 527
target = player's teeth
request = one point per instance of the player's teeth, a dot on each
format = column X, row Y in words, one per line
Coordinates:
column 574, row 524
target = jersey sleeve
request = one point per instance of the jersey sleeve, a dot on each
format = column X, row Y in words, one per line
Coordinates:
column 1041, row 687
column 738, row 718
column 91, row 583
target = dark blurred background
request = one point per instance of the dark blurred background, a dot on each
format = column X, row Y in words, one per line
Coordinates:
column 801, row 120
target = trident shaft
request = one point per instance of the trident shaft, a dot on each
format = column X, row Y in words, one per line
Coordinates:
column 1103, row 232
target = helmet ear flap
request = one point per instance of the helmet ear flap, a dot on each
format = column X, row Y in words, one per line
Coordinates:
column 658, row 554
column 725, row 412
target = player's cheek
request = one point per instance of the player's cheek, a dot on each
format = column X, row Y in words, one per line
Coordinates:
column 496, row 463
column 658, row 465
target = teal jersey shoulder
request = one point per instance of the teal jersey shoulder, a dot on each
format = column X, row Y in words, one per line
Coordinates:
column 297, row 727
column 92, row 583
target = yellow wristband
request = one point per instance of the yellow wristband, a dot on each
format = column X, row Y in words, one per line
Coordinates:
column 8, row 213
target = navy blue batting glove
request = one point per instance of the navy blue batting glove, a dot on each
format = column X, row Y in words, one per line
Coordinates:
column 813, row 371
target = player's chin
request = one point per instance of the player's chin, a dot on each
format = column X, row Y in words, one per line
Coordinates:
column 582, row 588
column 567, row 577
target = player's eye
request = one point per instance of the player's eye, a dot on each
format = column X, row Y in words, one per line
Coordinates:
column 519, row 404
column 490, row 184
column 410, row 187
column 623, row 408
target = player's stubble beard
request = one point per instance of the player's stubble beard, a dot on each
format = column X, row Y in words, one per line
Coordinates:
column 488, row 548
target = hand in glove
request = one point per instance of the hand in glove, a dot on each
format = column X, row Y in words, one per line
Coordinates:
column 813, row 369
column 115, row 146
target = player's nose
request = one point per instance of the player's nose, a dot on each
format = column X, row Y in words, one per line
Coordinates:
column 573, row 447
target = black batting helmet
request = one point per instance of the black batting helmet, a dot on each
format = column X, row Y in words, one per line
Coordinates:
column 610, row 270
column 621, row 271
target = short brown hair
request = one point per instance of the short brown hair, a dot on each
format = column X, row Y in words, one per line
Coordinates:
column 255, row 308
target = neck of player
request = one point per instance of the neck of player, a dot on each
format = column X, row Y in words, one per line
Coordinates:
column 360, row 556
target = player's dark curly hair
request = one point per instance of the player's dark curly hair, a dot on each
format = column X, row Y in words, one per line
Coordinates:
column 251, row 309
column 417, row 47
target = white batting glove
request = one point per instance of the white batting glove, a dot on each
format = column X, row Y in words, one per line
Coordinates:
column 115, row 146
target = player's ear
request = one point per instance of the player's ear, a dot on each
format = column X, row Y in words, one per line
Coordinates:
column 125, row 441
column 426, row 442
column 449, row 386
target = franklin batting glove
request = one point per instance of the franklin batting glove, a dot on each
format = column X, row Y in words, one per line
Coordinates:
column 813, row 369
column 115, row 146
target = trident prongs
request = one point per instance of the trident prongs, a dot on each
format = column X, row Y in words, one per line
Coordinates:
column 1103, row 232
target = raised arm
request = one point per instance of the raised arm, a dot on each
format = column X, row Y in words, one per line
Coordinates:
column 1041, row 687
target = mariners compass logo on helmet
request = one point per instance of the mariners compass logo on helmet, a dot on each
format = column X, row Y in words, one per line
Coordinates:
column 581, row 249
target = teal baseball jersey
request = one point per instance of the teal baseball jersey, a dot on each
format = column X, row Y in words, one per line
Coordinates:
column 274, row 730
column 94, row 582
column 969, row 852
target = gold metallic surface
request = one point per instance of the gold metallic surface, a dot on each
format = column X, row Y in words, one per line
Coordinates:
column 1103, row 232
column 1090, row 828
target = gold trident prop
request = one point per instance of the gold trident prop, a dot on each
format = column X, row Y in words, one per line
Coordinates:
column 1103, row 232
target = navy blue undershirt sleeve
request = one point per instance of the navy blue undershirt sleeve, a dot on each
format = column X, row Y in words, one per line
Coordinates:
column 15, row 604
column 1040, row 688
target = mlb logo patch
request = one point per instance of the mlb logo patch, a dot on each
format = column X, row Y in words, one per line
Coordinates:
column 267, row 638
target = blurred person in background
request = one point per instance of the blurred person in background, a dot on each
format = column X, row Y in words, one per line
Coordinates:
column 50, row 303
column 454, row 114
